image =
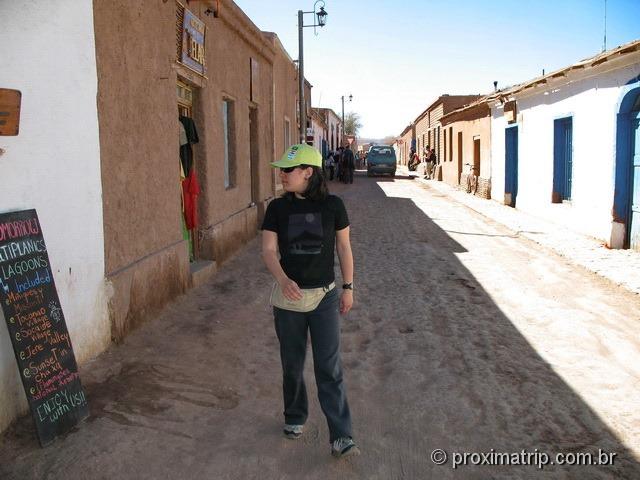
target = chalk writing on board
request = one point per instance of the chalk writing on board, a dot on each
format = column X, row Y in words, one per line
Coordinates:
column 37, row 327
column 19, row 228
column 21, row 248
column 55, row 312
column 22, row 267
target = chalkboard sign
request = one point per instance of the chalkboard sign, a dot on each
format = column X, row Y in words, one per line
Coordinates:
column 37, row 327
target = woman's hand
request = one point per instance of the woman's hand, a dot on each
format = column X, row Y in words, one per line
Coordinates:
column 290, row 290
column 346, row 301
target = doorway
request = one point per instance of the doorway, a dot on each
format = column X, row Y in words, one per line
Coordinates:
column 633, row 239
column 626, row 199
column 476, row 156
column 459, row 156
column 562, row 159
column 185, row 109
column 511, row 166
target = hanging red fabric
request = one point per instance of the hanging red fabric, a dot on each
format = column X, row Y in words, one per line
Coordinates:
column 190, row 192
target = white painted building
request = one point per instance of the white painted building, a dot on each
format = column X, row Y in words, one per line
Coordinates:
column 334, row 124
column 319, row 132
column 334, row 127
column 562, row 145
column 53, row 165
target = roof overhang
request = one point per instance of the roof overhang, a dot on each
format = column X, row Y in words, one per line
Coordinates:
column 619, row 57
column 475, row 111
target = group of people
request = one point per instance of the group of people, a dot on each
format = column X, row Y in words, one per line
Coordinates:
column 429, row 158
column 341, row 164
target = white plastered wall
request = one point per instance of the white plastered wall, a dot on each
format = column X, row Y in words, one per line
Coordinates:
column 318, row 134
column 333, row 121
column 53, row 165
column 592, row 104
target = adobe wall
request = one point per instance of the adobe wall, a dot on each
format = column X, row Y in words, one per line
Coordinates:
column 146, row 258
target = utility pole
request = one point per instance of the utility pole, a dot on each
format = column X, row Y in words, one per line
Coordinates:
column 342, row 139
column 321, row 16
column 301, row 107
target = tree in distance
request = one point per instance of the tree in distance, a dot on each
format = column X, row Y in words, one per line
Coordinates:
column 352, row 124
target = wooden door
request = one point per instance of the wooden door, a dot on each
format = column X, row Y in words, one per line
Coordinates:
column 511, row 166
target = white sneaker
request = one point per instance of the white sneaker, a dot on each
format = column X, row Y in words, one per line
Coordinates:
column 292, row 431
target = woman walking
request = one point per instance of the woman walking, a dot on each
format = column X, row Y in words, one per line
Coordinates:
column 304, row 226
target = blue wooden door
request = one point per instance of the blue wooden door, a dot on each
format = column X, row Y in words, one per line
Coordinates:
column 562, row 159
column 511, row 166
column 634, row 221
column 568, row 157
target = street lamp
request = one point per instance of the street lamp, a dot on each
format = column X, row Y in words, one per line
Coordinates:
column 319, row 20
column 343, row 133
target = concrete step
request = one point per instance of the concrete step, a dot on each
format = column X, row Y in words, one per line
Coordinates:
column 202, row 271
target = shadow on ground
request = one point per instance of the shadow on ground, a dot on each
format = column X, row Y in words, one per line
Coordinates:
column 431, row 363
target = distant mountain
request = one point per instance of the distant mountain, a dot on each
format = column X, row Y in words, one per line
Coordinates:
column 382, row 141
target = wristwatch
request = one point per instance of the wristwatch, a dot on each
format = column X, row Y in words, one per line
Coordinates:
column 347, row 286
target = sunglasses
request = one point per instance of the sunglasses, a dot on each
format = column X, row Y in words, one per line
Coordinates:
column 288, row 169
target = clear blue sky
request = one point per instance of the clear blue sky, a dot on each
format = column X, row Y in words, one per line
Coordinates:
column 396, row 57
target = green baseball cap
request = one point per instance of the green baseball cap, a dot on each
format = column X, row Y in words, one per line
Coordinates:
column 300, row 154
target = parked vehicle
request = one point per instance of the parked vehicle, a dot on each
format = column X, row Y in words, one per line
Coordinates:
column 381, row 159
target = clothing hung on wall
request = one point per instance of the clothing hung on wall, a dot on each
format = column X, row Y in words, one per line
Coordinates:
column 190, row 192
column 191, row 137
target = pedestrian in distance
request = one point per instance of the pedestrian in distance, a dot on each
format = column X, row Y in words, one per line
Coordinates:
column 345, row 165
column 330, row 164
column 304, row 227
column 434, row 161
column 428, row 158
column 414, row 160
column 349, row 165
column 338, row 160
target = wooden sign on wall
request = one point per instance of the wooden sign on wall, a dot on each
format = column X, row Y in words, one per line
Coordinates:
column 193, row 42
column 9, row 111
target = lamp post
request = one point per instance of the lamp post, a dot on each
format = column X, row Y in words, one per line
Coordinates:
column 321, row 16
column 343, row 132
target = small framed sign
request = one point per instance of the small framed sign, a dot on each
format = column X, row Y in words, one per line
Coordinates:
column 9, row 111
column 193, row 43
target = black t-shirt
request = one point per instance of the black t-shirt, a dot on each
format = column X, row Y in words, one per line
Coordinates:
column 306, row 236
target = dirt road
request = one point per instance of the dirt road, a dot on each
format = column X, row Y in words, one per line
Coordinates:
column 465, row 337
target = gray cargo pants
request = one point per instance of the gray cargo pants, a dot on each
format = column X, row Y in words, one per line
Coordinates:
column 323, row 324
